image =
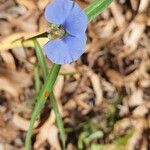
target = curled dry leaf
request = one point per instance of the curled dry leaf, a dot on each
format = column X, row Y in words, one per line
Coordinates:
column 15, row 77
column 29, row 4
column 11, row 82
column 96, row 83
column 71, row 87
column 136, row 98
column 144, row 4
column 22, row 123
column 139, row 124
column 80, row 100
column 42, row 4
column 16, row 40
column 118, row 15
column 48, row 132
column 53, row 137
column 134, row 4
column 7, row 86
column 104, row 29
column 8, row 60
column 7, row 127
column 122, row 125
column 59, row 87
column 133, row 35
column 20, row 54
column 58, row 92
column 140, row 111
column 115, row 77
column 24, row 24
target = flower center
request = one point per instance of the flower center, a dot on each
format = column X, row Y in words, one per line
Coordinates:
column 56, row 32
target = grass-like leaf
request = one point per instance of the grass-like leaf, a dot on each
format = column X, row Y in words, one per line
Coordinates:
column 41, row 99
column 36, row 79
column 41, row 58
column 43, row 65
column 95, row 8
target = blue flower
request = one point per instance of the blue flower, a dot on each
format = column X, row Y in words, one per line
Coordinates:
column 72, row 18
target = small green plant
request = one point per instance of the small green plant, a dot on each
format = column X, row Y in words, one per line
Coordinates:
column 46, row 92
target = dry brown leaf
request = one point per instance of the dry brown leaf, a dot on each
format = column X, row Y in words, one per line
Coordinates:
column 30, row 4
column 140, row 111
column 42, row 4
column 139, row 124
column 133, row 35
column 8, row 86
column 144, row 4
column 15, row 78
column 71, row 147
column 122, row 125
column 71, row 87
column 48, row 132
column 105, row 29
column 15, row 41
column 136, row 98
column 107, row 86
column 134, row 4
column 6, row 28
column 7, row 127
column 59, row 87
column 115, row 77
column 20, row 54
column 24, row 24
column 22, row 123
column 118, row 15
column 96, row 83
column 8, row 60
column 53, row 137
column 68, row 68
column 80, row 100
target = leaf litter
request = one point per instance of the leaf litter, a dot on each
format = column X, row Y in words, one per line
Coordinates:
column 106, row 91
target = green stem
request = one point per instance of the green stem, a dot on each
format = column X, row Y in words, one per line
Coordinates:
column 42, row 63
column 59, row 120
column 36, row 79
column 43, row 95
column 41, row 58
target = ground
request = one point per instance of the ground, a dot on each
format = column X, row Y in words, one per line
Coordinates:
column 104, row 97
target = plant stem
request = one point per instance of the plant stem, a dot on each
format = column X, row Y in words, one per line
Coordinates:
column 43, row 95
column 41, row 58
column 59, row 120
column 42, row 63
column 36, row 79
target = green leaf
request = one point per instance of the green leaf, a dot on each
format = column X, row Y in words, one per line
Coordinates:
column 124, row 140
column 96, row 7
column 93, row 136
column 96, row 147
column 41, row 58
column 36, row 79
column 82, row 136
column 43, row 65
column 42, row 97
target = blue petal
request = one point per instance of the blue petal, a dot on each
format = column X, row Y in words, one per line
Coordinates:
column 57, row 11
column 76, row 23
column 66, row 50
